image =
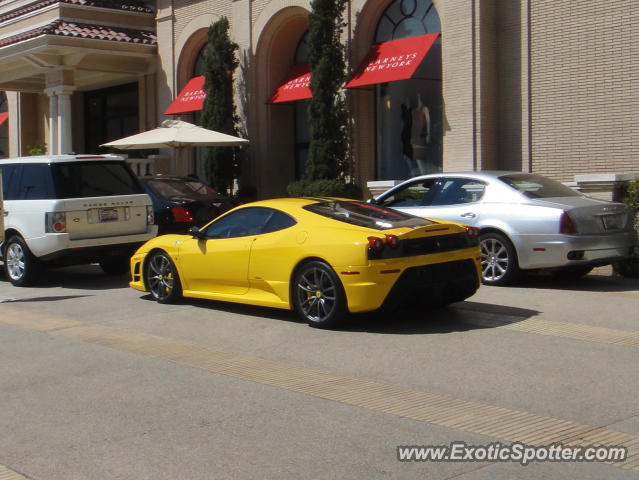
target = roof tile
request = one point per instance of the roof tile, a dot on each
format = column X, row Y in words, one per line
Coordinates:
column 127, row 5
column 94, row 32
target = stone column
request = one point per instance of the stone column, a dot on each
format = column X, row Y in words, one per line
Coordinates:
column 53, row 121
column 65, row 124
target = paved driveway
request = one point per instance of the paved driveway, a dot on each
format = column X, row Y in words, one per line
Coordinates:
column 100, row 382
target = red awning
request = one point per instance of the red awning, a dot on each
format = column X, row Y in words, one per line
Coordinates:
column 3, row 117
column 295, row 85
column 392, row 61
column 190, row 99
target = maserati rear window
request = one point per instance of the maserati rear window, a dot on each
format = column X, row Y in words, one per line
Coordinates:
column 535, row 186
column 366, row 215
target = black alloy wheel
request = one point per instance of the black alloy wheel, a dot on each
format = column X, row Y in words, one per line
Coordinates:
column 161, row 278
column 318, row 296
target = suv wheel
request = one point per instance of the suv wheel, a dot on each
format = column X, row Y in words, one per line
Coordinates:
column 20, row 265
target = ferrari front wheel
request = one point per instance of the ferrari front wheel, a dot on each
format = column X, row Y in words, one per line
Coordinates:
column 162, row 279
column 318, row 296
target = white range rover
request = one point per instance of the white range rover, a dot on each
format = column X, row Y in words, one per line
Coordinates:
column 70, row 209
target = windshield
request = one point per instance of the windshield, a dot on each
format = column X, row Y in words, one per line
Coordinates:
column 94, row 179
column 366, row 215
column 536, row 186
column 169, row 188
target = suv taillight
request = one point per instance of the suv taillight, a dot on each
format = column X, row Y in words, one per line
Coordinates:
column 55, row 222
column 150, row 216
column 566, row 225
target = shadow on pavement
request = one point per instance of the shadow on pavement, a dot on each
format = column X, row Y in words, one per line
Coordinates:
column 458, row 317
column 42, row 299
column 80, row 277
column 588, row 283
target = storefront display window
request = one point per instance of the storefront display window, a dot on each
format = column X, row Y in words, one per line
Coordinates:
column 4, row 126
column 302, row 131
column 110, row 113
column 409, row 112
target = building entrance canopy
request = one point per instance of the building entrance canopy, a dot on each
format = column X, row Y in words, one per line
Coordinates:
column 190, row 99
column 392, row 61
column 295, row 86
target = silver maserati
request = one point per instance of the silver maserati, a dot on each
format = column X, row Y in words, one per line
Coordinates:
column 527, row 221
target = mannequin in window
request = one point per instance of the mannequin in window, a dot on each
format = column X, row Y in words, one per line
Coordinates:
column 420, row 134
column 407, row 147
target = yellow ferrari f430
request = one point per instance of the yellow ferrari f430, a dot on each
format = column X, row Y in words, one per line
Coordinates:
column 322, row 257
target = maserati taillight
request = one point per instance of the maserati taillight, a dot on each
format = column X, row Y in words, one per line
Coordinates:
column 566, row 225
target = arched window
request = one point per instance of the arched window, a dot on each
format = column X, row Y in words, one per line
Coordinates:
column 409, row 112
column 302, row 131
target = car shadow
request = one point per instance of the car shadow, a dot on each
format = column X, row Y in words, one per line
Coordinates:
column 592, row 282
column 81, row 277
column 458, row 317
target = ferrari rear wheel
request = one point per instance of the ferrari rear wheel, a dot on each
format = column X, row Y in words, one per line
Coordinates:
column 498, row 259
column 161, row 278
column 318, row 296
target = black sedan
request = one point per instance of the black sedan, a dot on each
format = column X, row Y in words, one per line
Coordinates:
column 182, row 202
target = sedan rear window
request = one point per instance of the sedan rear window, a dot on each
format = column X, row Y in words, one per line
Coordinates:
column 366, row 215
column 536, row 186
column 169, row 188
column 94, row 179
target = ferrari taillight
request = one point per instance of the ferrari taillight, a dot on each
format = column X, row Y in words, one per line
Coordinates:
column 376, row 244
column 392, row 241
column 472, row 232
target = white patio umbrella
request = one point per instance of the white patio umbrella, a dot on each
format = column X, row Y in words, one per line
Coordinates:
column 176, row 134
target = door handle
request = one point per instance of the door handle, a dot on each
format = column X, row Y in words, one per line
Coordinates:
column 468, row 215
column 5, row 213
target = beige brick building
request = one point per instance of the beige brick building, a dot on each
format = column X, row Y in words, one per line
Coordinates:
column 532, row 85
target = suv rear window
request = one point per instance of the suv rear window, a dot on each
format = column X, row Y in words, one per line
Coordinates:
column 94, row 179
column 366, row 215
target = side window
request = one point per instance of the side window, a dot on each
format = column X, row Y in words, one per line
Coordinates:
column 456, row 191
column 240, row 223
column 35, row 183
column 416, row 194
column 10, row 175
column 278, row 221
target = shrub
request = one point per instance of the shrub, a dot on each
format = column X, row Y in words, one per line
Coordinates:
column 38, row 149
column 324, row 188
column 218, row 112
column 630, row 267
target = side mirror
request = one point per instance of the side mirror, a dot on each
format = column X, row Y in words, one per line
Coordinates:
column 195, row 232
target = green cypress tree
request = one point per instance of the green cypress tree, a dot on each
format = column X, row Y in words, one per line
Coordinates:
column 327, row 110
column 218, row 112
